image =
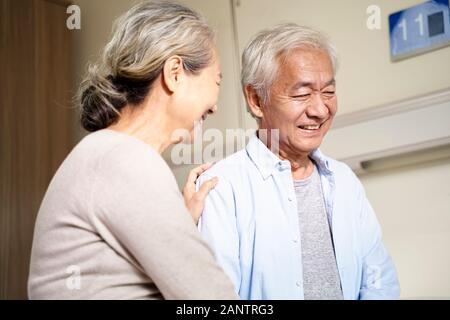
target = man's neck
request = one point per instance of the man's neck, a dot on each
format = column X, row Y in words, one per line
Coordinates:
column 301, row 165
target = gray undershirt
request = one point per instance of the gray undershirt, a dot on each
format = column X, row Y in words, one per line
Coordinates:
column 320, row 274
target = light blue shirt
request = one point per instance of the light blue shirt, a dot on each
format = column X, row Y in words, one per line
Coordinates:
column 250, row 220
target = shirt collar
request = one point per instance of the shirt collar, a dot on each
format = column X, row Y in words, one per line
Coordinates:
column 266, row 161
column 322, row 161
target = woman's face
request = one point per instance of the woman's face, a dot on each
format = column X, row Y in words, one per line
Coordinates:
column 198, row 96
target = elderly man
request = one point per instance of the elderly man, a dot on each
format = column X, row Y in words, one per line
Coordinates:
column 293, row 223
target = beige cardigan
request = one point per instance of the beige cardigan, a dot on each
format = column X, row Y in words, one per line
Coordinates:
column 113, row 225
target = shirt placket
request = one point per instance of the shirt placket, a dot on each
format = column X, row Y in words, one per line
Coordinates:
column 289, row 202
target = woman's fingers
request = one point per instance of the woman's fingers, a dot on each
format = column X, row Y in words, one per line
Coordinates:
column 204, row 190
column 197, row 202
column 196, row 172
column 189, row 188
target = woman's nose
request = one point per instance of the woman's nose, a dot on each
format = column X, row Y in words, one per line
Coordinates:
column 213, row 109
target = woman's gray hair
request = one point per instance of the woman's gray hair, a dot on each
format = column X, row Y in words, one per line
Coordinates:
column 260, row 58
column 143, row 39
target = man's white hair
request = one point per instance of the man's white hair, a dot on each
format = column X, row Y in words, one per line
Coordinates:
column 259, row 60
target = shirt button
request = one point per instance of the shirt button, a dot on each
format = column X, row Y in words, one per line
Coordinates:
column 295, row 240
column 298, row 284
column 290, row 198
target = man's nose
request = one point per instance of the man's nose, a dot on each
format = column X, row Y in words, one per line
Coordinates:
column 317, row 108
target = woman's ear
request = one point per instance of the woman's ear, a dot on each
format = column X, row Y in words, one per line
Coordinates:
column 173, row 70
column 253, row 101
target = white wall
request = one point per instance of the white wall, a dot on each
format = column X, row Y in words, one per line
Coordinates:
column 412, row 203
column 413, row 206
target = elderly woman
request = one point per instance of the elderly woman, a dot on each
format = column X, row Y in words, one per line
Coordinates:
column 113, row 223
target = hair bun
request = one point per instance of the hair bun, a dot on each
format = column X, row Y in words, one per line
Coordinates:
column 100, row 102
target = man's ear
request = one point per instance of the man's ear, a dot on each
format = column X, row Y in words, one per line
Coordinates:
column 172, row 71
column 253, row 101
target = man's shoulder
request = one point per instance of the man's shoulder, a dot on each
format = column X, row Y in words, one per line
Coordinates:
column 340, row 167
column 230, row 166
column 343, row 173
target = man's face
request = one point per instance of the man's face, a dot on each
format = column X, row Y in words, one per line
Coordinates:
column 302, row 100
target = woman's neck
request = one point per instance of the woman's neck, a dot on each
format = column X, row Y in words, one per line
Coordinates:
column 147, row 123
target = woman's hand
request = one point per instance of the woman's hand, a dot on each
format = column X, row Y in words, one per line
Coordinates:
column 195, row 201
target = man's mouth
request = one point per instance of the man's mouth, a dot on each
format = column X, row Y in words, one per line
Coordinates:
column 310, row 127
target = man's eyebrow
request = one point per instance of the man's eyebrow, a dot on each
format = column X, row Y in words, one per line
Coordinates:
column 302, row 84
column 332, row 82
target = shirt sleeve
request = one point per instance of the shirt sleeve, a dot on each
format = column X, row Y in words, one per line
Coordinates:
column 218, row 226
column 379, row 277
column 137, row 206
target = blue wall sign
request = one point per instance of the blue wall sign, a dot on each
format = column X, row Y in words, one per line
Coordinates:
column 419, row 29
